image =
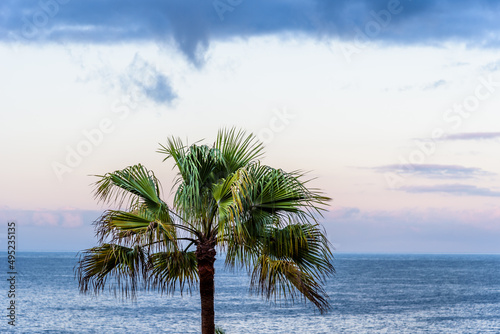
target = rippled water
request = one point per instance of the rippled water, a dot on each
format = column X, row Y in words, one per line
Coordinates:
column 369, row 294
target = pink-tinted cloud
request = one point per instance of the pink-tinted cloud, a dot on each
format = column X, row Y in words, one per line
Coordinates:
column 67, row 218
column 45, row 218
column 72, row 219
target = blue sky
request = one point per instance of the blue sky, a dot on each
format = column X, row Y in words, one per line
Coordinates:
column 391, row 105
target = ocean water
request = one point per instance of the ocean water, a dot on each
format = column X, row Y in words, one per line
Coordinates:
column 369, row 294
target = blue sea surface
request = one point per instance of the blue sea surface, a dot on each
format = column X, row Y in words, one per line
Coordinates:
column 369, row 294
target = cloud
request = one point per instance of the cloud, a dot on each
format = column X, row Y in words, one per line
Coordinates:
column 416, row 217
column 192, row 25
column 492, row 67
column 145, row 80
column 45, row 219
column 66, row 218
column 430, row 230
column 67, row 229
column 72, row 219
column 425, row 87
column 452, row 189
column 346, row 212
column 435, row 171
column 472, row 136
column 434, row 85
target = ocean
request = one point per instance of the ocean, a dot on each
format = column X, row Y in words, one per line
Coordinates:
column 370, row 293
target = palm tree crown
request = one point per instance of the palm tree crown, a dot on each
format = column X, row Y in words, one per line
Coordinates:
column 262, row 218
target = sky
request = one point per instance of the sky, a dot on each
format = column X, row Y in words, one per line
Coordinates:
column 392, row 107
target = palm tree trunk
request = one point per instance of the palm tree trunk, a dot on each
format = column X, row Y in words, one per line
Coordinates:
column 205, row 254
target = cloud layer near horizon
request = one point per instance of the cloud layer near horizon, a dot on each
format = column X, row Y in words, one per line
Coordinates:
column 193, row 25
column 413, row 230
column 350, row 229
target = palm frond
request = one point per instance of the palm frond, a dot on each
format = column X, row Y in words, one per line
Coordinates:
column 136, row 184
column 237, row 148
column 193, row 195
column 226, row 197
column 305, row 245
column 244, row 238
column 276, row 191
column 199, row 168
column 173, row 269
column 283, row 279
column 267, row 200
column 135, row 228
column 274, row 230
column 126, row 265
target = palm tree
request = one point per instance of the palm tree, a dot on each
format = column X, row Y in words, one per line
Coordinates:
column 263, row 218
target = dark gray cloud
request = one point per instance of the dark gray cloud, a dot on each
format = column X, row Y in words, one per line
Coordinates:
column 193, row 24
column 473, row 136
column 435, row 171
column 453, row 189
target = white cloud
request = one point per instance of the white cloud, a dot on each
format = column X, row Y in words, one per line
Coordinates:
column 45, row 218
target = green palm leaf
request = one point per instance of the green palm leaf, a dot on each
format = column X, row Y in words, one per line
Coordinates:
column 135, row 183
column 138, row 227
column 173, row 269
column 280, row 278
column 237, row 149
column 126, row 264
